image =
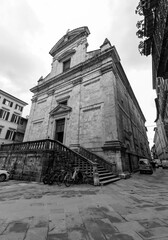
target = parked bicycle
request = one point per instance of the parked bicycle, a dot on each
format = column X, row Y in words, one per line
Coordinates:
column 57, row 176
column 62, row 176
column 54, row 177
column 68, row 176
column 76, row 177
column 50, row 177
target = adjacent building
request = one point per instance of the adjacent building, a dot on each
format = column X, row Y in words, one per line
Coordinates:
column 155, row 32
column 12, row 124
column 86, row 100
column 160, row 150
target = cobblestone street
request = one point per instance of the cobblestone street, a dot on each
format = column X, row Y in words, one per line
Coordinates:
column 131, row 209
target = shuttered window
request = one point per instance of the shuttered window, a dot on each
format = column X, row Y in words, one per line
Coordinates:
column 18, row 107
column 7, row 102
column 10, row 134
column 15, row 118
column 4, row 114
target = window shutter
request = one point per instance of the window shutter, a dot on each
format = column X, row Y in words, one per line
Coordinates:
column 12, row 118
column 7, row 134
column 4, row 101
column 18, row 121
column 1, row 112
column 7, row 116
column 16, row 106
column 11, row 104
column 14, row 135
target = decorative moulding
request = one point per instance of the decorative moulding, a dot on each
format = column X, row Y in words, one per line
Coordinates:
column 62, row 99
column 34, row 99
column 77, row 81
column 50, row 92
column 60, row 109
column 66, row 55
column 113, row 145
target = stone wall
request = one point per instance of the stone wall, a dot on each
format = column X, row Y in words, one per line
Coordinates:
column 26, row 165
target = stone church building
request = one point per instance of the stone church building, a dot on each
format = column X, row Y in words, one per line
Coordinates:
column 86, row 100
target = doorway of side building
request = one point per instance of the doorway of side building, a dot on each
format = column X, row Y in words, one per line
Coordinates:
column 59, row 131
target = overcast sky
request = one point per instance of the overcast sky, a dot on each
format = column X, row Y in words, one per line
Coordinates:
column 30, row 28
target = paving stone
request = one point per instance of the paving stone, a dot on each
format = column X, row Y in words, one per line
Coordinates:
column 13, row 236
column 141, row 215
column 157, row 232
column 94, row 230
column 95, row 212
column 3, row 225
column 165, row 220
column 129, row 226
column 153, row 223
column 73, row 220
column 123, row 236
column 57, row 226
column 121, row 209
column 108, row 230
column 38, row 222
column 85, row 214
column 37, row 233
column 114, row 217
column 58, row 236
column 78, row 233
column 57, row 213
column 16, row 227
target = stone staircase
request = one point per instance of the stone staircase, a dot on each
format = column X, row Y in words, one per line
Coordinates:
column 51, row 154
column 105, row 175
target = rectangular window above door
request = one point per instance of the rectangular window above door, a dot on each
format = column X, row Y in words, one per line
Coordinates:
column 66, row 65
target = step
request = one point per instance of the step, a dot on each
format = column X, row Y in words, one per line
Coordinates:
column 102, row 168
column 105, row 174
column 109, row 181
column 107, row 177
column 103, row 171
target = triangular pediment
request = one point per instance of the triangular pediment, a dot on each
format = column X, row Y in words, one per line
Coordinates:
column 68, row 38
column 60, row 109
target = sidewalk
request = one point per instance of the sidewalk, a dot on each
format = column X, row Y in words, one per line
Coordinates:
column 132, row 209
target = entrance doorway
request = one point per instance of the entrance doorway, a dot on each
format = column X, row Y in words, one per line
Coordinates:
column 59, row 132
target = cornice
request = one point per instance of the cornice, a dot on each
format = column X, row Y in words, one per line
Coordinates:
column 50, row 92
column 113, row 146
column 34, row 99
column 77, row 81
column 65, row 55
column 106, row 68
column 13, row 97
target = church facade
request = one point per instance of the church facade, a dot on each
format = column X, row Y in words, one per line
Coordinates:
column 86, row 100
